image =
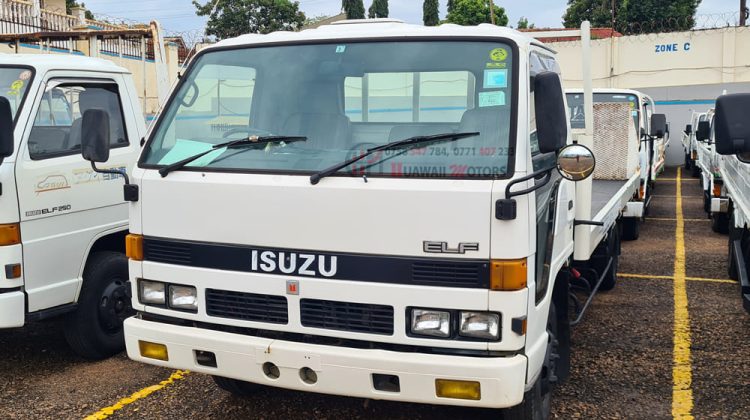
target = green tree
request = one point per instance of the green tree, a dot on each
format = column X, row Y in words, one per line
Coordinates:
column 355, row 9
column 431, row 12
column 378, row 9
column 474, row 12
column 230, row 18
column 523, row 23
column 633, row 16
column 70, row 4
column 451, row 3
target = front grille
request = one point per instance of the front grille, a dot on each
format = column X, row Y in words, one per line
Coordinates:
column 168, row 252
column 346, row 316
column 247, row 306
column 447, row 273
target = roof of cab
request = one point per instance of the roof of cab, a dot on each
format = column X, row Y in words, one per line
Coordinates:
column 608, row 90
column 377, row 29
column 46, row 62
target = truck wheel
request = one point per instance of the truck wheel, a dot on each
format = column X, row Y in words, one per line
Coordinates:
column 687, row 161
column 237, row 387
column 707, row 202
column 94, row 329
column 720, row 223
column 631, row 228
column 537, row 401
column 734, row 234
column 613, row 250
column 695, row 171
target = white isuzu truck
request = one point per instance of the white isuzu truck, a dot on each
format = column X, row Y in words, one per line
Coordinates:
column 370, row 209
column 62, row 225
column 709, row 172
column 652, row 148
column 731, row 130
column 690, row 142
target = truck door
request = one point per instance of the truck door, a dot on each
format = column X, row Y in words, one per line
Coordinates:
column 63, row 204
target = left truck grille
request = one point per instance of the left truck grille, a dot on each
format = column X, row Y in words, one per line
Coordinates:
column 247, row 306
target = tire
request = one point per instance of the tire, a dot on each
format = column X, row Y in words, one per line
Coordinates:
column 687, row 162
column 613, row 250
column 537, row 402
column 631, row 228
column 94, row 330
column 695, row 171
column 707, row 202
column 237, row 387
column 734, row 235
column 720, row 223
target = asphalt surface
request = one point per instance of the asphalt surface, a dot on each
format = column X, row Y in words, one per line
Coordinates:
column 621, row 367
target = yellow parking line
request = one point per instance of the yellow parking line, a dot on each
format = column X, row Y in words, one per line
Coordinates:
column 682, row 373
column 145, row 392
column 649, row 276
column 675, row 179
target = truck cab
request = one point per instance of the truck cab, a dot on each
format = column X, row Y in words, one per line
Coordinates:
column 63, row 225
column 369, row 209
column 690, row 142
column 652, row 148
column 709, row 171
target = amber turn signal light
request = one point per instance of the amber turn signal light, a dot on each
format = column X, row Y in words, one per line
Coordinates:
column 508, row 274
column 134, row 247
column 10, row 234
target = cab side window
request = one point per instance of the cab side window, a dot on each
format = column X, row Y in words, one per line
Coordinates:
column 57, row 126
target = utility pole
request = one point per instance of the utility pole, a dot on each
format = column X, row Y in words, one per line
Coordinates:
column 743, row 12
column 492, row 11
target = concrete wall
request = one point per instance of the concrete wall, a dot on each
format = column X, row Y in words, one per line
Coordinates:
column 682, row 71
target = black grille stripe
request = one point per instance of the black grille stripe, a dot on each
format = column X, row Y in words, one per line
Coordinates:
column 445, row 272
column 346, row 316
column 247, row 306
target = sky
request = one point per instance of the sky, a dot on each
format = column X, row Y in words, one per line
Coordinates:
column 179, row 15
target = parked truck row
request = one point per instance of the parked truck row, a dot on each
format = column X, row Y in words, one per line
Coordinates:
column 292, row 226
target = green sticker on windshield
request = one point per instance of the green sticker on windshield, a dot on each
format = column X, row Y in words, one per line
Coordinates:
column 492, row 98
column 340, row 49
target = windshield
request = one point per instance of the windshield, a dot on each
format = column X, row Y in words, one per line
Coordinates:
column 14, row 82
column 577, row 113
column 345, row 98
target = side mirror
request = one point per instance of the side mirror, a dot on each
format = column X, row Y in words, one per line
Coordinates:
column 95, row 135
column 658, row 125
column 732, row 125
column 704, row 131
column 689, row 129
column 549, row 102
column 6, row 128
column 576, row 162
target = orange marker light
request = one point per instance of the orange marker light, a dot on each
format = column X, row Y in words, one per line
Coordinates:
column 10, row 234
column 134, row 247
column 508, row 274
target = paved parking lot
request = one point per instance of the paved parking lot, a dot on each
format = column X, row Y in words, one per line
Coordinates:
column 624, row 352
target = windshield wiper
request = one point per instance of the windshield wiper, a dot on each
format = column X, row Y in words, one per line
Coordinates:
column 252, row 142
column 405, row 144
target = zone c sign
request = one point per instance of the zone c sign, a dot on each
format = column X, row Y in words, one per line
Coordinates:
column 671, row 48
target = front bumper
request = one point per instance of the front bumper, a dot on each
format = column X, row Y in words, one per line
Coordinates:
column 12, row 309
column 340, row 370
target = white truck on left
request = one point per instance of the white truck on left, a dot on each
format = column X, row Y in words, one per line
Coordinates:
column 62, row 225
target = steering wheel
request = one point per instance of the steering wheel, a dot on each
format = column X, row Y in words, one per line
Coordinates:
column 246, row 130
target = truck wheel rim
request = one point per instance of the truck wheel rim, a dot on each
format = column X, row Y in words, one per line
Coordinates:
column 114, row 306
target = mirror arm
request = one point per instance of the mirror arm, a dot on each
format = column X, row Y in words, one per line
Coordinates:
column 130, row 191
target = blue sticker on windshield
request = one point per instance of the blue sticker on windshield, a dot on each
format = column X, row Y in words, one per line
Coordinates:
column 340, row 49
column 495, row 78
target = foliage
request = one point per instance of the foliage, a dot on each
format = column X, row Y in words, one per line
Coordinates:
column 474, row 12
column 523, row 23
column 378, row 9
column 451, row 3
column 355, row 9
column 431, row 12
column 632, row 16
column 230, row 18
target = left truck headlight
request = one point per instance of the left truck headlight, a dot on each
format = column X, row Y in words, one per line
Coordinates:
column 484, row 325
column 183, row 297
column 152, row 292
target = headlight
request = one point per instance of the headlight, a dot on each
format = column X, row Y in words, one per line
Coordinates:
column 431, row 322
column 151, row 292
column 482, row 325
column 183, row 297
